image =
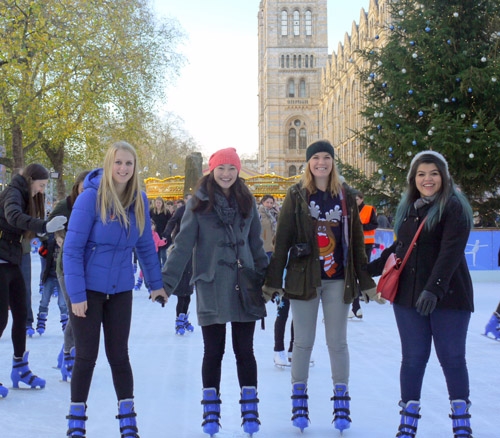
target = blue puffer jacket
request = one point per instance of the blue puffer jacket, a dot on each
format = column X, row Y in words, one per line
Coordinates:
column 98, row 256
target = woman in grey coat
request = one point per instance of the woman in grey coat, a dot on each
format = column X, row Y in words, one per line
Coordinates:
column 220, row 226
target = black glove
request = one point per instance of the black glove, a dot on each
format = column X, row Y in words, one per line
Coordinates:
column 426, row 303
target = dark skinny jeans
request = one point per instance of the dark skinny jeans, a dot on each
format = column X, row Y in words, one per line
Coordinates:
column 447, row 328
column 214, row 339
column 114, row 313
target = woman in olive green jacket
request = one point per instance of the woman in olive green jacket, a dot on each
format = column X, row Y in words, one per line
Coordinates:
column 320, row 241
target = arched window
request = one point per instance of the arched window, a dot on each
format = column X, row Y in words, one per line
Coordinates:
column 308, row 23
column 296, row 23
column 287, row 61
column 292, row 139
column 284, row 23
column 311, row 63
column 291, row 88
column 300, row 61
column 292, row 171
column 302, row 138
column 302, row 88
column 307, row 61
column 282, row 61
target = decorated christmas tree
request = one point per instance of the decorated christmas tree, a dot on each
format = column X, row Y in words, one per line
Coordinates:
column 432, row 81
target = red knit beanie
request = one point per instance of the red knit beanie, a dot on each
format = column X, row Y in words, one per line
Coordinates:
column 224, row 156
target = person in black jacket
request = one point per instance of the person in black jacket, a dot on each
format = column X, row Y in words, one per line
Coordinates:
column 435, row 296
column 184, row 289
column 22, row 215
column 160, row 215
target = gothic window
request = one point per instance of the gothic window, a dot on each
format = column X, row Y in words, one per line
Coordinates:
column 287, row 61
column 300, row 61
column 307, row 61
column 302, row 138
column 308, row 23
column 292, row 171
column 291, row 88
column 284, row 23
column 311, row 61
column 282, row 61
column 296, row 23
column 292, row 139
column 294, row 61
column 302, row 88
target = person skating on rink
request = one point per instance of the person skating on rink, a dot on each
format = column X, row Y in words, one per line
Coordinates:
column 220, row 228
column 109, row 219
column 434, row 301
column 22, row 216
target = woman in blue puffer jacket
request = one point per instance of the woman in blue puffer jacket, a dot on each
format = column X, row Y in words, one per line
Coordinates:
column 108, row 221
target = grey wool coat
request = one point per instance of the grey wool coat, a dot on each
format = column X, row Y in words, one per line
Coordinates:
column 203, row 235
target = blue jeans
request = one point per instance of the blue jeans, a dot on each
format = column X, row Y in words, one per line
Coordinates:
column 447, row 328
column 48, row 289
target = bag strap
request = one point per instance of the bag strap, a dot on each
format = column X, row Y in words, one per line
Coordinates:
column 412, row 244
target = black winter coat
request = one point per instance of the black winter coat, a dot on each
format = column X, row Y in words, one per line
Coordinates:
column 437, row 262
column 15, row 220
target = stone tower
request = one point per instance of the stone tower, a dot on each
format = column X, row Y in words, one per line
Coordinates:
column 293, row 51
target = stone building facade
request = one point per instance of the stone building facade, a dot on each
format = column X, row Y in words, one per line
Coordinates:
column 306, row 94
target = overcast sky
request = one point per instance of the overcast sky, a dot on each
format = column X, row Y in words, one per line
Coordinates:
column 216, row 94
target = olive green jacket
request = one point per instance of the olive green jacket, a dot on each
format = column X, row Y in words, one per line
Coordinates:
column 303, row 275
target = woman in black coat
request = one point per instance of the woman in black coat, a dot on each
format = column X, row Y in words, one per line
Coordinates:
column 435, row 297
column 22, row 215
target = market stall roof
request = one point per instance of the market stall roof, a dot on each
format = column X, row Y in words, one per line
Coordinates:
column 173, row 187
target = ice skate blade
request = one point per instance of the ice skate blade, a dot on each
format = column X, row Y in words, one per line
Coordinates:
column 486, row 335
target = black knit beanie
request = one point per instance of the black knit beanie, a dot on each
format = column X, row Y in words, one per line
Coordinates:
column 319, row 146
column 35, row 171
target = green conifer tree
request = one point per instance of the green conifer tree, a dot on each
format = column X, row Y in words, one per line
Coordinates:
column 435, row 84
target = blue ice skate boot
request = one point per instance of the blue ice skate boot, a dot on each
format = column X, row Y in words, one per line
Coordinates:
column 67, row 365
column 461, row 419
column 249, row 411
column 76, row 420
column 211, row 411
column 126, row 415
column 341, row 411
column 40, row 325
column 3, row 391
column 493, row 326
column 60, row 358
column 179, row 324
column 21, row 373
column 30, row 331
column 300, row 410
column 409, row 419
column 187, row 325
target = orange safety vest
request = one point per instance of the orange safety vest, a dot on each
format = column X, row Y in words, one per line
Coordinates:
column 365, row 215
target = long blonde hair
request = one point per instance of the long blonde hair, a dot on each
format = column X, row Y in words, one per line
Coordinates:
column 109, row 201
column 334, row 183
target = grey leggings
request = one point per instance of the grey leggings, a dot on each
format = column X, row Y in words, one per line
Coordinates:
column 69, row 340
column 305, row 317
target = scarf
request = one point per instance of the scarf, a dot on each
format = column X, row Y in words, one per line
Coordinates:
column 226, row 209
column 420, row 202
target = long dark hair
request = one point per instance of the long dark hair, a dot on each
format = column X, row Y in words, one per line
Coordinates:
column 448, row 189
column 36, row 204
column 75, row 189
column 239, row 191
